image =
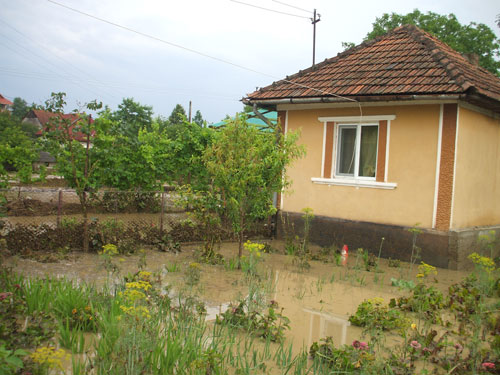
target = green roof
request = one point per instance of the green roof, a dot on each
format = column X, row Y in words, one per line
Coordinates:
column 272, row 116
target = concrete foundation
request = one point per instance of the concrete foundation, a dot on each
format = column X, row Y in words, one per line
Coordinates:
column 440, row 249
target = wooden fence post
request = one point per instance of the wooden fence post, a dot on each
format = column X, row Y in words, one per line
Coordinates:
column 162, row 210
column 59, row 207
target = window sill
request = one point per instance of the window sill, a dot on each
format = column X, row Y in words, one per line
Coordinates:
column 354, row 182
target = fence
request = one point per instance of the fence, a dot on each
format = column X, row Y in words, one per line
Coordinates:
column 44, row 219
column 47, row 218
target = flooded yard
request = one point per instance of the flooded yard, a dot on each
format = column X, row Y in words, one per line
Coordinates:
column 318, row 300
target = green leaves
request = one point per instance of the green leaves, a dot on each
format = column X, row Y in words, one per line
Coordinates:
column 10, row 360
column 17, row 150
column 473, row 38
column 246, row 167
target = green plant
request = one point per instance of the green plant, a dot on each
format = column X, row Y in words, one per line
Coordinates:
column 109, row 251
column 172, row 267
column 11, row 360
column 377, row 266
column 193, row 274
column 71, row 339
column 488, row 242
column 486, row 271
column 205, row 208
column 230, row 264
column 395, row 263
column 47, row 359
column 346, row 359
column 270, row 325
column 415, row 250
column 403, row 284
column 249, row 264
column 374, row 314
column 428, row 302
column 246, row 167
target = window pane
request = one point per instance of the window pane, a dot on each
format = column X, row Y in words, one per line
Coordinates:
column 346, row 150
column 368, row 151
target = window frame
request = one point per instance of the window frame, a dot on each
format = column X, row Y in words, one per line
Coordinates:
column 329, row 161
column 357, row 150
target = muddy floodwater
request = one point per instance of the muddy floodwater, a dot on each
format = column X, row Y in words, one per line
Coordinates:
column 318, row 301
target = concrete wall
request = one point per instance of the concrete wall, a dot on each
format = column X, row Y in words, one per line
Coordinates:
column 477, row 176
column 412, row 164
column 440, row 249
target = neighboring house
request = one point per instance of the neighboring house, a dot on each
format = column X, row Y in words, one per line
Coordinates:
column 45, row 159
column 5, row 104
column 399, row 130
column 271, row 116
column 41, row 119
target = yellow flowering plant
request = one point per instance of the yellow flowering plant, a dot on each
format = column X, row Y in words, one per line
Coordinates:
column 486, row 272
column 48, row 358
column 485, row 263
column 255, row 251
column 425, row 270
column 193, row 273
column 107, row 254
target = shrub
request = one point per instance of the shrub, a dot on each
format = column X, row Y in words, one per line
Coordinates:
column 374, row 314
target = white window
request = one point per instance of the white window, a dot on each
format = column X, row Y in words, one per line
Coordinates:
column 357, row 150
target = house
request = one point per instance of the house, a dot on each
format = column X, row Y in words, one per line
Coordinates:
column 400, row 131
column 46, row 160
column 41, row 119
column 5, row 104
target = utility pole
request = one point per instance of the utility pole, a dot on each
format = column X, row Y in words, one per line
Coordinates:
column 190, row 108
column 314, row 21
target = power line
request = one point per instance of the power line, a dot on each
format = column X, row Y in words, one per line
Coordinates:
column 201, row 53
column 269, row 10
column 53, row 54
column 292, row 6
column 48, row 77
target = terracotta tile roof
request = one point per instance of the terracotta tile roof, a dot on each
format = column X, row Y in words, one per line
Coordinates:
column 45, row 116
column 404, row 62
column 5, row 101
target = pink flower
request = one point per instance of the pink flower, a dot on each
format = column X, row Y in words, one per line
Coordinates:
column 488, row 366
column 360, row 345
column 458, row 346
column 415, row 344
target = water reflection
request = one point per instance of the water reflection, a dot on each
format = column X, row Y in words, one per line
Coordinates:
column 322, row 325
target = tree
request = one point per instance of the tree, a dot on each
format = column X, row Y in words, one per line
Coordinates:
column 132, row 116
column 189, row 142
column 476, row 38
column 74, row 161
column 19, row 108
column 142, row 162
column 178, row 115
column 198, row 119
column 246, row 167
column 17, row 150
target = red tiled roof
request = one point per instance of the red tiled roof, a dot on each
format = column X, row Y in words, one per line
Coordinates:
column 406, row 61
column 5, row 101
column 45, row 116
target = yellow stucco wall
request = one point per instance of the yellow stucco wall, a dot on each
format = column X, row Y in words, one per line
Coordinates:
column 477, row 175
column 412, row 163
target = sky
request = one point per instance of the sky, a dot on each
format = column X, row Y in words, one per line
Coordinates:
column 210, row 52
